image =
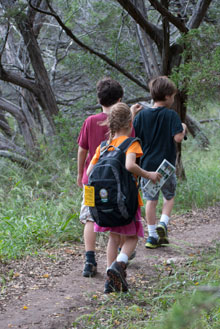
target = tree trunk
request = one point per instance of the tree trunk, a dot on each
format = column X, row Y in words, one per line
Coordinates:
column 196, row 131
column 42, row 90
column 180, row 107
column 45, row 96
column 145, row 44
column 17, row 113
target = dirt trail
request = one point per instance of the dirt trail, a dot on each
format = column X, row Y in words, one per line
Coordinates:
column 50, row 292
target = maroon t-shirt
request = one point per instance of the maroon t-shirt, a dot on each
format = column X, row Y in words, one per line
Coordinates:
column 90, row 137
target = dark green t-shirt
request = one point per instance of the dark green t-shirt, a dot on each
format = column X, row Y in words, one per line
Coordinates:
column 156, row 128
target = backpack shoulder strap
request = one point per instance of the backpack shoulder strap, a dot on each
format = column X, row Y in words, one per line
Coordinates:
column 128, row 142
column 103, row 143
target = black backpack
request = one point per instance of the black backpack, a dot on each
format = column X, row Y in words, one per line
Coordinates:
column 116, row 191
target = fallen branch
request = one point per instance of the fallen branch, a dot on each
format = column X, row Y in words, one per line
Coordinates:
column 21, row 160
column 209, row 120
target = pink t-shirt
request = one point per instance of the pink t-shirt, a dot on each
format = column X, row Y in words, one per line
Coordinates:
column 90, row 137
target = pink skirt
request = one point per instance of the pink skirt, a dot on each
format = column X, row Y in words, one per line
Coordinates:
column 134, row 228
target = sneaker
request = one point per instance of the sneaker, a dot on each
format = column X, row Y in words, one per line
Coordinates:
column 117, row 276
column 162, row 232
column 109, row 286
column 89, row 270
column 152, row 242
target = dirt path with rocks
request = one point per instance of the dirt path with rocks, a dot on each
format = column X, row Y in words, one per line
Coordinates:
column 49, row 292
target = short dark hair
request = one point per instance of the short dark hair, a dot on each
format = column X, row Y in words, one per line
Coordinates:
column 109, row 91
column 160, row 87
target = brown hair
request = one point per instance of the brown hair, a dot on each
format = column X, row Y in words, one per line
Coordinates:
column 161, row 87
column 109, row 91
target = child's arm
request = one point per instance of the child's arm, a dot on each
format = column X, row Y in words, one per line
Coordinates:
column 81, row 158
column 179, row 137
column 132, row 166
column 89, row 169
column 93, row 161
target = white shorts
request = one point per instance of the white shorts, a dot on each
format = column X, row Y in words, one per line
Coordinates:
column 84, row 212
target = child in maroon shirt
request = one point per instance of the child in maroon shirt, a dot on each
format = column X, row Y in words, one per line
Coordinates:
column 91, row 135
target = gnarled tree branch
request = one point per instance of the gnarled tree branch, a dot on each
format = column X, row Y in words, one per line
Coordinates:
column 176, row 21
column 89, row 49
column 199, row 13
column 151, row 29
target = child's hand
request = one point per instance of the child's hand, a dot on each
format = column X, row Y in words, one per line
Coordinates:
column 135, row 109
column 154, row 176
column 79, row 180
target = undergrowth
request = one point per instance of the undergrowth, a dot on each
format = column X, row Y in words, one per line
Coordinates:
column 39, row 206
column 183, row 296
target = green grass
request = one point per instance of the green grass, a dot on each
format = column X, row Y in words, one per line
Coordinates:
column 179, row 297
column 202, row 169
column 38, row 208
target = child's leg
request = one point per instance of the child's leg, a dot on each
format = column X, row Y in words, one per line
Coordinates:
column 89, row 236
column 150, row 212
column 167, row 208
column 122, row 240
column 168, row 191
column 112, row 247
column 128, row 247
column 90, row 268
column 164, row 220
column 116, row 273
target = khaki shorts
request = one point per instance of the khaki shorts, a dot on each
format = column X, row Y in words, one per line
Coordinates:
column 168, row 189
column 84, row 212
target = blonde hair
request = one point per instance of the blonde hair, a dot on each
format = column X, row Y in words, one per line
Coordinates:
column 119, row 118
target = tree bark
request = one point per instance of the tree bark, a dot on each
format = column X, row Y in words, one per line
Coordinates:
column 6, row 144
column 196, row 131
column 199, row 13
column 45, row 94
column 145, row 44
column 18, row 114
column 4, row 125
column 21, row 160
column 180, row 107
column 41, row 86
column 152, row 30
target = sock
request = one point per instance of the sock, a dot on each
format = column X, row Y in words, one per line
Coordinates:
column 122, row 258
column 90, row 257
column 152, row 231
column 165, row 219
